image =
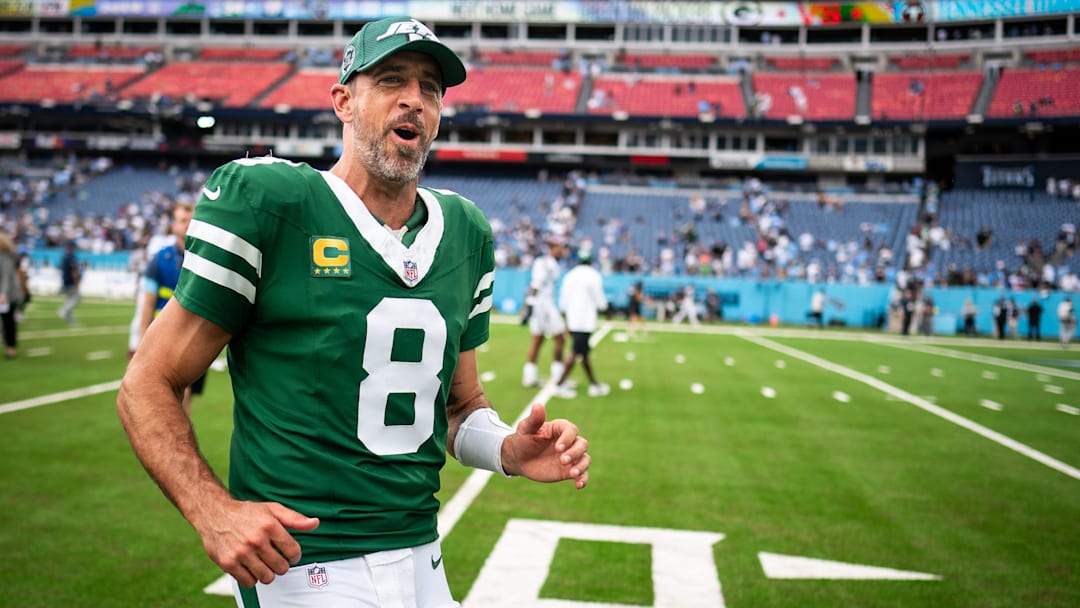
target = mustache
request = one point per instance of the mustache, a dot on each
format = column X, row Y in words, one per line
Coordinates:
column 407, row 118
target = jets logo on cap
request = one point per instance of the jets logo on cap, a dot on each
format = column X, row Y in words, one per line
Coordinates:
column 347, row 58
column 411, row 28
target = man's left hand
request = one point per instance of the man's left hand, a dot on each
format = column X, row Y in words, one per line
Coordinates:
column 547, row 451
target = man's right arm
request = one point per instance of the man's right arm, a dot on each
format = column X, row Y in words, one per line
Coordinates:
column 174, row 351
column 247, row 540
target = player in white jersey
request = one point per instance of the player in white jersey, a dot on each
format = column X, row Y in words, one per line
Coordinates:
column 544, row 318
column 582, row 299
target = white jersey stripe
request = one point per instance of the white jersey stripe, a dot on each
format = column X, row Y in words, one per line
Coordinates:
column 227, row 241
column 216, row 273
column 485, row 282
column 482, row 307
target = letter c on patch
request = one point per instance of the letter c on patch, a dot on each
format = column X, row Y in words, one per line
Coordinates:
column 330, row 252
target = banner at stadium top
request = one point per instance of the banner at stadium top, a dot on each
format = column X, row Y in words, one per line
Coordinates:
column 736, row 12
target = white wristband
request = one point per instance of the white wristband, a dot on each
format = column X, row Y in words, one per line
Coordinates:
column 479, row 441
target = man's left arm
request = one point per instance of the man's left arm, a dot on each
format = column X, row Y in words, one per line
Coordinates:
column 539, row 449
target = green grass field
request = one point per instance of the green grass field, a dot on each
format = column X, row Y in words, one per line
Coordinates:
column 956, row 459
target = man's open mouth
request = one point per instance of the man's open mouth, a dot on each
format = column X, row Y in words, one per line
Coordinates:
column 407, row 132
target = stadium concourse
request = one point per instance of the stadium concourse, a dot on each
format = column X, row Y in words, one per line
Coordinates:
column 733, row 230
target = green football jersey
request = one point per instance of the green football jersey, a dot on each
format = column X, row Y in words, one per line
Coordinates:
column 344, row 342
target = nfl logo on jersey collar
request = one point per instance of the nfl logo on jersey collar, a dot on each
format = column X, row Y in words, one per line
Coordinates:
column 412, row 273
column 316, row 576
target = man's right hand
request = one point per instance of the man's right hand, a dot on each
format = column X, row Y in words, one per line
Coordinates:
column 250, row 540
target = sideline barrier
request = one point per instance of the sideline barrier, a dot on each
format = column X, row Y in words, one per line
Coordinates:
column 744, row 300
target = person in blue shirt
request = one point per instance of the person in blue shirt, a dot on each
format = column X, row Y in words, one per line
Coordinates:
column 159, row 281
column 70, row 277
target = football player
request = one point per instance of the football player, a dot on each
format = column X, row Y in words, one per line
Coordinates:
column 351, row 301
column 544, row 318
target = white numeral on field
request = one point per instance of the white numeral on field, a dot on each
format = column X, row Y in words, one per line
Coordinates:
column 683, row 568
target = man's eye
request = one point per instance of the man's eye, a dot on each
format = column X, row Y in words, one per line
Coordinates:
column 430, row 87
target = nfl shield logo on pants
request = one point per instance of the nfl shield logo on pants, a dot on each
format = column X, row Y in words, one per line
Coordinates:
column 316, row 576
column 411, row 272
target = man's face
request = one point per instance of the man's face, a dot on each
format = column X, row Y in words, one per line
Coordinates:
column 181, row 219
column 398, row 108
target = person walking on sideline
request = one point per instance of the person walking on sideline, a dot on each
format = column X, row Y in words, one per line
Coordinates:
column 1066, row 321
column 1034, row 312
column 969, row 312
column 11, row 293
column 544, row 318
column 817, row 308
column 70, row 278
column 581, row 298
column 352, row 302
column 636, row 311
column 687, row 308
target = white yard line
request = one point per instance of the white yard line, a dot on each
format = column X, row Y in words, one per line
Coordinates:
column 920, row 403
column 955, row 354
column 58, row 397
column 72, row 332
column 455, row 508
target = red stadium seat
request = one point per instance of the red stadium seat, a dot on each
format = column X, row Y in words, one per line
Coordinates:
column 516, row 90
column 669, row 96
column 829, row 96
column 64, row 83
column 233, row 84
column 802, row 64
column 308, row 89
column 1059, row 87
column 944, row 96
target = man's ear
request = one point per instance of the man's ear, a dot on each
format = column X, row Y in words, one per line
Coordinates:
column 341, row 99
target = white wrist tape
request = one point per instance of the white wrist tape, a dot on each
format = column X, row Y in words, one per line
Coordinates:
column 479, row 440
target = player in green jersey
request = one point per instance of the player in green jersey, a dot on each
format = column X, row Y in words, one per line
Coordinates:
column 351, row 301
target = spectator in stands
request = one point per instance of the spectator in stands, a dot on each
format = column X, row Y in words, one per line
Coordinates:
column 70, row 278
column 1034, row 315
column 11, row 292
column 798, row 96
column 983, row 237
column 1069, row 281
column 322, row 282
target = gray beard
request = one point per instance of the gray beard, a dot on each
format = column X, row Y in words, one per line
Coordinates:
column 401, row 167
